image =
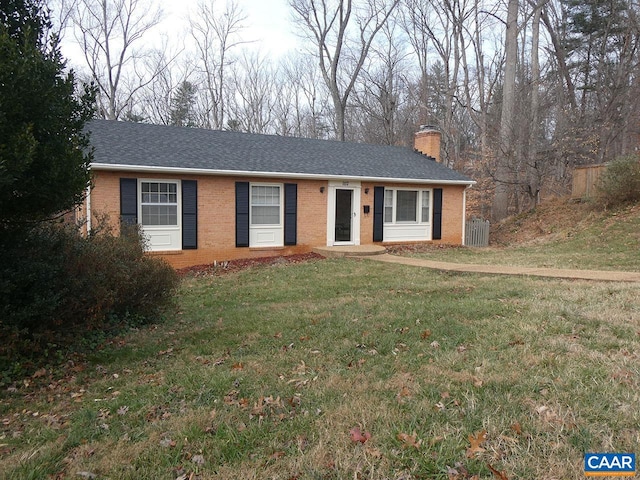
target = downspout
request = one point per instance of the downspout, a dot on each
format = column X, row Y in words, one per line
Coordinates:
column 88, row 200
column 464, row 215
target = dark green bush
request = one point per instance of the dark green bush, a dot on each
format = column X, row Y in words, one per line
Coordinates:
column 57, row 286
column 620, row 183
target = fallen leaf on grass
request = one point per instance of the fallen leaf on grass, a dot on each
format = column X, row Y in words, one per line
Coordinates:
column 231, row 398
column 374, row 452
column 354, row 364
column 409, row 440
column 508, row 439
column 277, row 455
column 497, row 474
column 358, row 436
column 517, row 428
column 198, row 459
column 237, row 366
column 403, row 394
column 624, row 377
column 425, row 334
column 88, row 475
column 460, row 472
column 167, row 443
column 220, row 361
column 476, row 441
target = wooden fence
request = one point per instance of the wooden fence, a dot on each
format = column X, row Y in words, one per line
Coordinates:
column 585, row 180
column 476, row 233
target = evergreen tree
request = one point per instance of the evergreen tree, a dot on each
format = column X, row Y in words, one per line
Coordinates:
column 44, row 155
column 182, row 105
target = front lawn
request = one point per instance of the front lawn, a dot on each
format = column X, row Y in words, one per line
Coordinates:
column 341, row 369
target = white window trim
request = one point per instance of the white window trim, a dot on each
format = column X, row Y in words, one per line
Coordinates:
column 266, row 235
column 418, row 220
column 162, row 237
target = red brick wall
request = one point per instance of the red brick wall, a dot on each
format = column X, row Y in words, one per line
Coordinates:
column 216, row 215
column 427, row 142
column 452, row 214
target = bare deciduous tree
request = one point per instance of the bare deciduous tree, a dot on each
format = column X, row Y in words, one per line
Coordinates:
column 253, row 104
column 109, row 32
column 312, row 101
column 507, row 117
column 342, row 34
column 382, row 95
column 216, row 35
column 154, row 102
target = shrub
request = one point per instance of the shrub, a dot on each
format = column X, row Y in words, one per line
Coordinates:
column 57, row 286
column 620, row 183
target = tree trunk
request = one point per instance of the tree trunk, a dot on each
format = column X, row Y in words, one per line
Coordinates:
column 532, row 163
column 505, row 155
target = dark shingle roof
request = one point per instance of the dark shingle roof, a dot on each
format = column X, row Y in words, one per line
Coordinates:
column 143, row 145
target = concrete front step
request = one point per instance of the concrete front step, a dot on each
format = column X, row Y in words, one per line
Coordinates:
column 350, row 251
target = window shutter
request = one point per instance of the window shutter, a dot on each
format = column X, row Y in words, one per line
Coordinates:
column 378, row 214
column 128, row 201
column 189, row 214
column 242, row 214
column 290, row 214
column 437, row 214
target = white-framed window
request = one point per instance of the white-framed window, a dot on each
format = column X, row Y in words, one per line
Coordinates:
column 159, row 213
column 426, row 212
column 266, row 204
column 406, row 206
column 266, row 217
column 159, row 203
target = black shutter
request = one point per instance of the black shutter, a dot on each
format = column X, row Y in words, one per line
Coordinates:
column 242, row 214
column 128, row 201
column 378, row 214
column 437, row 214
column 189, row 215
column 290, row 214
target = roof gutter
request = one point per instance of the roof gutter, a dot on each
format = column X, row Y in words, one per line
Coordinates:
column 240, row 173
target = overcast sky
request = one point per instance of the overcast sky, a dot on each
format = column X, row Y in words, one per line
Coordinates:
column 268, row 20
column 268, row 24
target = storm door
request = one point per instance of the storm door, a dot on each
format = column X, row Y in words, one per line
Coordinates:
column 344, row 216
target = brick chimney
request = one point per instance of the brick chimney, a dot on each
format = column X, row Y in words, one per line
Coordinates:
column 427, row 141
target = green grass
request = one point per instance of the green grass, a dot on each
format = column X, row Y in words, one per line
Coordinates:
column 607, row 242
column 263, row 373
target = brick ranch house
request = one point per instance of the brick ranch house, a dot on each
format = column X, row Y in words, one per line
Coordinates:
column 204, row 195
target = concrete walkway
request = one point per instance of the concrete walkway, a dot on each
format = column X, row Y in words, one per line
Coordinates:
column 599, row 275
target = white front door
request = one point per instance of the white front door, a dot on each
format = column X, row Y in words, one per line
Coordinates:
column 344, row 214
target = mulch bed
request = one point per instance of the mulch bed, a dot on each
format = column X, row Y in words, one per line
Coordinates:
column 222, row 268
